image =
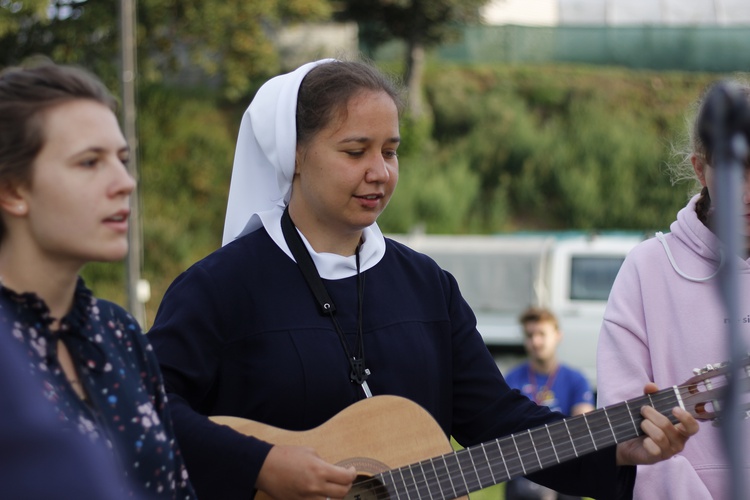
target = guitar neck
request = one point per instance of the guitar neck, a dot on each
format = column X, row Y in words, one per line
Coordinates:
column 456, row 474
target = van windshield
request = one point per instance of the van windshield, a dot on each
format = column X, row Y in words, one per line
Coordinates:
column 591, row 277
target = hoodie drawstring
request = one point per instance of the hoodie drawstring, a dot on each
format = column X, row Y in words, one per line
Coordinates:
column 660, row 236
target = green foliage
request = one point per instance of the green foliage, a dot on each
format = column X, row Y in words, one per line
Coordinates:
column 427, row 22
column 228, row 39
column 107, row 280
column 227, row 42
column 416, row 134
column 14, row 12
column 432, row 194
column 187, row 147
column 419, row 24
column 76, row 31
column 560, row 147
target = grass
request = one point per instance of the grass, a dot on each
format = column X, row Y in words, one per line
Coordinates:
column 496, row 492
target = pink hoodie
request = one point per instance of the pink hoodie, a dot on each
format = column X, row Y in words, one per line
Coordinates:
column 664, row 318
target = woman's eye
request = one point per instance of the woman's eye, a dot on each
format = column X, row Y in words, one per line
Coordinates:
column 355, row 154
column 89, row 162
column 390, row 154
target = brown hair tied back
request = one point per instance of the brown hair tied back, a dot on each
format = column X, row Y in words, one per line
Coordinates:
column 693, row 147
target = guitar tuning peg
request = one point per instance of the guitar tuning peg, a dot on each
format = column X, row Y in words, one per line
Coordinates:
column 710, row 368
column 700, row 371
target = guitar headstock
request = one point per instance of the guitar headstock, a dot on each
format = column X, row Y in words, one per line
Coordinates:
column 703, row 395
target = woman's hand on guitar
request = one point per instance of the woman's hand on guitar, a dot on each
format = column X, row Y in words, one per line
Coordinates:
column 662, row 440
column 298, row 472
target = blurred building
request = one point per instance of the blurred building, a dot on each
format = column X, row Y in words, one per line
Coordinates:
column 689, row 35
column 522, row 12
column 618, row 12
column 304, row 42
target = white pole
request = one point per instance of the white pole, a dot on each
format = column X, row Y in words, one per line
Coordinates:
column 128, row 81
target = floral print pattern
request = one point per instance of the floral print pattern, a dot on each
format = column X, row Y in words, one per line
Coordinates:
column 125, row 405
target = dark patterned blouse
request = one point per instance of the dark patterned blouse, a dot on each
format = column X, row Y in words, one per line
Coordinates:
column 126, row 404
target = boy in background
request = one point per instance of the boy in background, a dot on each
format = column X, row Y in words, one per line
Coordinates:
column 543, row 379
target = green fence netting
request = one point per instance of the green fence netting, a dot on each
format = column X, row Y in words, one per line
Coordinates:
column 690, row 48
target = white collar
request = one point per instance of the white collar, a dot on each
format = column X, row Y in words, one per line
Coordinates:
column 330, row 266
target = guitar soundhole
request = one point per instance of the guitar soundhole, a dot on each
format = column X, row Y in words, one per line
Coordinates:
column 365, row 466
column 367, row 488
column 366, row 485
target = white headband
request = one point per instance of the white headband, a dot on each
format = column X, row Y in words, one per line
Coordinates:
column 264, row 158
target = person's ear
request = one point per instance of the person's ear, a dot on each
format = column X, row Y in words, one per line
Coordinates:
column 12, row 200
column 699, row 167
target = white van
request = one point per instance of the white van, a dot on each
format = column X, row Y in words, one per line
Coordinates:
column 571, row 273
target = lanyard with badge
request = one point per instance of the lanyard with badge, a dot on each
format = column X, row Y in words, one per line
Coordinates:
column 359, row 372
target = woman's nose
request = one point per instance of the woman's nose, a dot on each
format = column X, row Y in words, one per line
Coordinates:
column 123, row 183
column 377, row 171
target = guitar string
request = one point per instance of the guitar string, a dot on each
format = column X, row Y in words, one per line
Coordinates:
column 484, row 476
column 596, row 433
column 615, row 430
column 472, row 485
column 686, row 392
column 481, row 480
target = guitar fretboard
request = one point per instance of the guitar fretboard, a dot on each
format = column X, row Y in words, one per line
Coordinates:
column 456, row 474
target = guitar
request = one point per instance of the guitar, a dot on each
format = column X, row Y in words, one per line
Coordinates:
column 400, row 451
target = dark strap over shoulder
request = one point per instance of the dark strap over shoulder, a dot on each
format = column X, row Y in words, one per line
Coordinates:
column 306, row 264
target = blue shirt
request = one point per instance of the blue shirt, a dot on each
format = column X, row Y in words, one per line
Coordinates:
column 568, row 387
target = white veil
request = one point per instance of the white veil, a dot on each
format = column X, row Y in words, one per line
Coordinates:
column 263, row 171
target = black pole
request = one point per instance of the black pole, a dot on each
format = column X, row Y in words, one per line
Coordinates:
column 724, row 129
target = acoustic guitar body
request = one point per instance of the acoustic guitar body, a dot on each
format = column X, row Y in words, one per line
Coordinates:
column 400, row 452
column 373, row 436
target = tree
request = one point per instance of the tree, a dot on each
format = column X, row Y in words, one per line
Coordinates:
column 421, row 24
column 231, row 39
column 14, row 13
column 61, row 31
column 230, row 42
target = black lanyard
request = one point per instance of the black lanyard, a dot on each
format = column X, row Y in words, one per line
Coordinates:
column 359, row 372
